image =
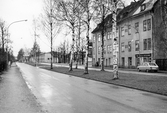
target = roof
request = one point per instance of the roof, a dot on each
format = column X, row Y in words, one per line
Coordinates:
column 129, row 10
column 108, row 24
column 124, row 13
column 134, row 9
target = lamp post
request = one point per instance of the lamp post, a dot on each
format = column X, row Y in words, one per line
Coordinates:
column 8, row 38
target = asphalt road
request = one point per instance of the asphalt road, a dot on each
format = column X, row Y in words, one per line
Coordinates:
column 60, row 93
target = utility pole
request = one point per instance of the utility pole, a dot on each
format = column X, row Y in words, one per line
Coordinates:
column 115, row 41
column 35, row 47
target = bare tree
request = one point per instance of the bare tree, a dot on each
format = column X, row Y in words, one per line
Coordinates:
column 103, row 9
column 3, row 34
column 87, row 5
column 51, row 27
column 66, row 12
column 160, row 32
column 80, row 29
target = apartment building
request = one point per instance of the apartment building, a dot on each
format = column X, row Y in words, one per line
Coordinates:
column 135, row 28
column 96, row 43
column 134, row 32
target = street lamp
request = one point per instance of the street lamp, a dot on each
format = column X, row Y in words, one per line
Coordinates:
column 8, row 37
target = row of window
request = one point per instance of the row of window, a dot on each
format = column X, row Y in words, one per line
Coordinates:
column 107, row 36
column 146, row 27
column 106, row 50
column 146, row 45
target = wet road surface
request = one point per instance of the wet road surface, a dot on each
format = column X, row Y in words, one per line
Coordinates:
column 60, row 93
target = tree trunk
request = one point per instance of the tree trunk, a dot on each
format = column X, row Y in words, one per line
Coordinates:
column 86, row 56
column 72, row 50
column 115, row 43
column 78, row 46
column 102, row 45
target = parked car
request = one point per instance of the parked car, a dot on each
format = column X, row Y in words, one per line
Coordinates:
column 148, row 66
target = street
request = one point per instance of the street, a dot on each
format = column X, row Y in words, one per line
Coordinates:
column 60, row 93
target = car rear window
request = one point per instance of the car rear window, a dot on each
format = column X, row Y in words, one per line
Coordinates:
column 152, row 64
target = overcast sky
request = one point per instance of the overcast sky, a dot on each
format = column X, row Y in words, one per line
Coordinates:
column 22, row 32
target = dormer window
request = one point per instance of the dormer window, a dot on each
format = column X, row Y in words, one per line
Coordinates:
column 143, row 7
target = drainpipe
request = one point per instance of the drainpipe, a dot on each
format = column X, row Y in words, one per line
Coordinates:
column 153, row 36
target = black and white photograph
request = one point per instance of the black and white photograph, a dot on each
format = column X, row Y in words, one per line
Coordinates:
column 83, row 56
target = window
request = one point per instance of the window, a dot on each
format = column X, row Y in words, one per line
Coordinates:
column 109, row 35
column 137, row 45
column 149, row 43
column 129, row 61
column 104, row 36
column 129, row 29
column 117, row 33
column 149, row 24
column 129, row 46
column 144, row 25
column 113, row 35
column 122, row 31
column 99, row 50
column 137, row 27
column 122, row 47
column 99, row 38
column 93, row 40
column 109, row 48
column 145, row 44
column 123, row 61
column 143, row 7
column 93, row 49
column 104, row 49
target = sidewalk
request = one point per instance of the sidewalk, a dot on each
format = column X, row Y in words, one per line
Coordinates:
column 15, row 96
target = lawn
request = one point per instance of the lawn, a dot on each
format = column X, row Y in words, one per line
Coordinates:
column 154, row 84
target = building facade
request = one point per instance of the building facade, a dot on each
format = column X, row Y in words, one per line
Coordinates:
column 135, row 36
column 97, row 42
